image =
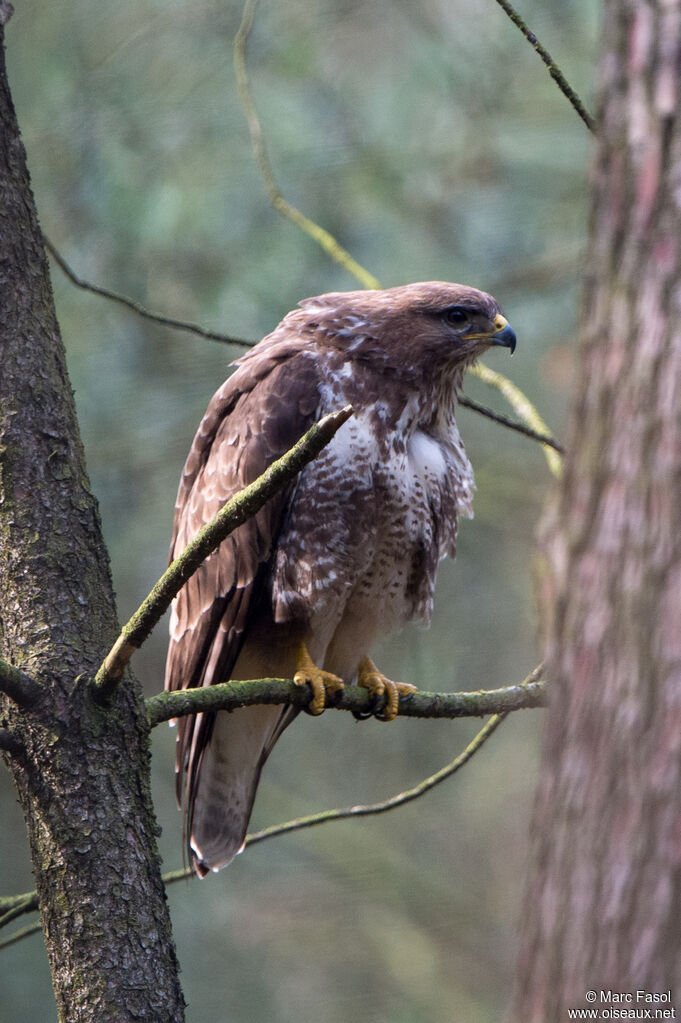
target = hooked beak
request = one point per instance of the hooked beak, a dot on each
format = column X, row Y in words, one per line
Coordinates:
column 504, row 334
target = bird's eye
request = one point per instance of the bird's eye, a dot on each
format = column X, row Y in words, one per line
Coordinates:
column 456, row 316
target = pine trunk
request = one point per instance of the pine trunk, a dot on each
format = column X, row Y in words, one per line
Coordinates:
column 604, row 893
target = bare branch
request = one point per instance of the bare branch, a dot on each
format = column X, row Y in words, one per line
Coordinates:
column 302, row 823
column 370, row 809
column 330, row 245
column 16, row 684
column 364, row 809
column 326, row 240
column 15, row 905
column 497, row 417
column 211, row 335
column 135, row 307
column 523, row 408
column 231, row 695
column 241, row 507
column 553, row 69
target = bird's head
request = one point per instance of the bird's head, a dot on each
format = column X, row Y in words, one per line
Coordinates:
column 422, row 329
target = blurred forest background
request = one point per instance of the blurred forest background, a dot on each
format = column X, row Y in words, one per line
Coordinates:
column 428, row 137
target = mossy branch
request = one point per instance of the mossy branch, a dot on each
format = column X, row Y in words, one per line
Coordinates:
column 232, row 695
column 323, row 238
column 242, row 506
column 553, row 69
column 13, row 906
column 16, row 684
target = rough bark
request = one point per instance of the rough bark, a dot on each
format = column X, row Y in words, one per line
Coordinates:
column 604, row 896
column 83, row 776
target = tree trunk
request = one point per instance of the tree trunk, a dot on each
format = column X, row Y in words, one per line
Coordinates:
column 82, row 773
column 604, row 892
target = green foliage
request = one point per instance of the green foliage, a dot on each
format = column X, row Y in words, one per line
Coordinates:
column 430, row 140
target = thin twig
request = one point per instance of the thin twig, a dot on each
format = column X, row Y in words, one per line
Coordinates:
column 523, row 408
column 16, row 684
column 287, row 209
column 370, row 809
column 327, row 241
column 497, row 417
column 553, row 69
column 135, row 307
column 25, row 932
column 212, row 335
column 240, row 508
column 25, row 903
column 364, row 809
column 357, row 700
column 361, row 810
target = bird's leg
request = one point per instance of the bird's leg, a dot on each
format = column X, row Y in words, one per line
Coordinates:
column 321, row 682
column 369, row 677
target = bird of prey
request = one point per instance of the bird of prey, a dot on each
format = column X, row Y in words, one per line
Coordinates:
column 348, row 552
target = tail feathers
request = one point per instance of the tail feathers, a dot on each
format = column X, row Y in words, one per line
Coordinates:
column 230, row 770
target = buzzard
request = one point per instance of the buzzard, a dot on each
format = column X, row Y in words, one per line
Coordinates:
column 348, row 552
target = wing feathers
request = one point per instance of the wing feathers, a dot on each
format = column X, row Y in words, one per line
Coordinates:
column 255, row 417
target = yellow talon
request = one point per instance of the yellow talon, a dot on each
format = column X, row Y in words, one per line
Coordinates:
column 369, row 677
column 321, row 682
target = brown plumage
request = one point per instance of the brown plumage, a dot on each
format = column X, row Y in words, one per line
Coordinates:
column 349, row 551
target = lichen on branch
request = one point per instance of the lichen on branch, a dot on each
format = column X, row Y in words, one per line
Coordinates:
column 232, row 695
